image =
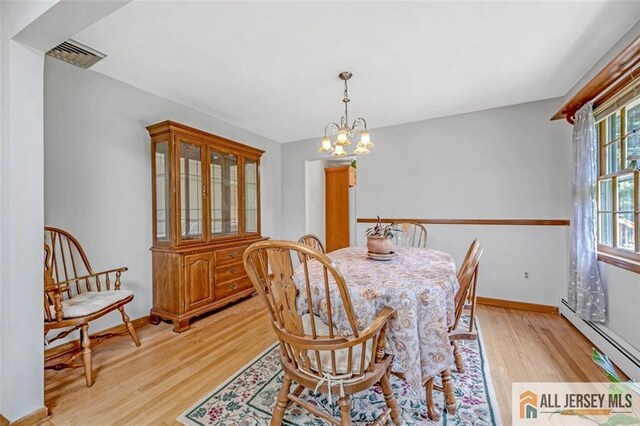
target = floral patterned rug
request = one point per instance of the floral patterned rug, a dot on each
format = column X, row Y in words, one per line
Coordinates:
column 248, row 398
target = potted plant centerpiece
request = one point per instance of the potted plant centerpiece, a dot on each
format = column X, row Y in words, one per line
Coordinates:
column 380, row 237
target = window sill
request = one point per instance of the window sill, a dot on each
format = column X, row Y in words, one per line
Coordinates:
column 620, row 262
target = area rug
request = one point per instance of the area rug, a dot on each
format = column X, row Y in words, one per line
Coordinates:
column 248, row 397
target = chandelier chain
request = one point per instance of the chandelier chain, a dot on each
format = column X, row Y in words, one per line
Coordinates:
column 346, row 100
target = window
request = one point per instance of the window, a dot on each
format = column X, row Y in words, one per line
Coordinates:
column 618, row 182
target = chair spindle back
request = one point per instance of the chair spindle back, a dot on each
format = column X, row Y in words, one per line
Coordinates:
column 312, row 241
column 465, row 278
column 49, row 295
column 465, row 262
column 413, row 235
column 305, row 314
column 68, row 260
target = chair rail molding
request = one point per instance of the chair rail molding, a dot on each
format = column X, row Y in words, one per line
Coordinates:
column 488, row 222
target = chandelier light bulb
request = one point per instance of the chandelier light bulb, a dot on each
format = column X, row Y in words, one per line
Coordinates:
column 339, row 151
column 342, row 138
column 365, row 140
column 326, row 145
column 361, row 149
column 364, row 137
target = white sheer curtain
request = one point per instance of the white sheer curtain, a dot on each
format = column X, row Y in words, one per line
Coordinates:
column 586, row 295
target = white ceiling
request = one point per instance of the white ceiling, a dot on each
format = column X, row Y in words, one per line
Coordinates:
column 272, row 67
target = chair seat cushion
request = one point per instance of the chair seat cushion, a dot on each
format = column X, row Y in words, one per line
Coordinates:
column 342, row 355
column 90, row 302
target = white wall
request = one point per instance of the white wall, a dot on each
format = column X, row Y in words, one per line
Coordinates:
column 22, row 221
column 28, row 29
column 623, row 302
column 21, row 217
column 98, row 170
column 510, row 163
column 314, row 198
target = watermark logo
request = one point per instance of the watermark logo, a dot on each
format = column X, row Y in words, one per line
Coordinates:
column 528, row 405
column 566, row 403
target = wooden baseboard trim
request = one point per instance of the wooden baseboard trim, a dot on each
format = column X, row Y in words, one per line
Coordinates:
column 512, row 304
column 485, row 222
column 32, row 419
column 69, row 347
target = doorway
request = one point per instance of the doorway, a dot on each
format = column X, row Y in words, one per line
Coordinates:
column 315, row 199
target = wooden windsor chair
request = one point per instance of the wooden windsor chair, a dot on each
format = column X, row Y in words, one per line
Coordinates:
column 413, row 234
column 465, row 278
column 314, row 351
column 471, row 299
column 312, row 241
column 74, row 296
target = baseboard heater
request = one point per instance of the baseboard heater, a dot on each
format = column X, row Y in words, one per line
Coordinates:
column 623, row 355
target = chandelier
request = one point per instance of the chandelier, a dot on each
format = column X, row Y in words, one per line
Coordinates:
column 344, row 132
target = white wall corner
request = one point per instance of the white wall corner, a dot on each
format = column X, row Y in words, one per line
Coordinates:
column 41, row 25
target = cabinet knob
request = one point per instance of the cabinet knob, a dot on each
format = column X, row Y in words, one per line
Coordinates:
column 233, row 254
column 233, row 270
column 234, row 286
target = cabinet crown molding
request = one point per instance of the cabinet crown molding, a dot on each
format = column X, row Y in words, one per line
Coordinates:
column 169, row 126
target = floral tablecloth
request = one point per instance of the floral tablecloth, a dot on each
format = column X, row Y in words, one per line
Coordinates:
column 420, row 284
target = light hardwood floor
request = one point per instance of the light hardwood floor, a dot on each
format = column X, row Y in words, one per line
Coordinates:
column 525, row 346
column 153, row 384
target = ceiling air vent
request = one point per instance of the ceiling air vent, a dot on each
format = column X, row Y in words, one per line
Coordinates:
column 76, row 54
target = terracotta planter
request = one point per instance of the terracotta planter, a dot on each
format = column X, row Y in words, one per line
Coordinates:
column 380, row 245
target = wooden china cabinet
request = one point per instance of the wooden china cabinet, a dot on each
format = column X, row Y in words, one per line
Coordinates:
column 206, row 212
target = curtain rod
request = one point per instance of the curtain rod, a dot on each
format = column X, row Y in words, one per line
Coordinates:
column 629, row 89
column 606, row 83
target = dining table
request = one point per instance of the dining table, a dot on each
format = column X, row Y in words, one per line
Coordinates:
column 420, row 284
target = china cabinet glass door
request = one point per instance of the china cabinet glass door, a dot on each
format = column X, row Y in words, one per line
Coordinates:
column 191, row 194
column 251, row 196
column 162, row 190
column 224, row 194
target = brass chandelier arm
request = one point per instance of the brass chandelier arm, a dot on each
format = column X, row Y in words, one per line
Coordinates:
column 329, row 125
column 358, row 120
column 358, row 124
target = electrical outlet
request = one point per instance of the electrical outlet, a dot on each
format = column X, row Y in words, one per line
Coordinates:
column 527, row 276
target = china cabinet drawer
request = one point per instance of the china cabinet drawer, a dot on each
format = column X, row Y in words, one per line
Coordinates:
column 230, row 288
column 231, row 272
column 229, row 256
